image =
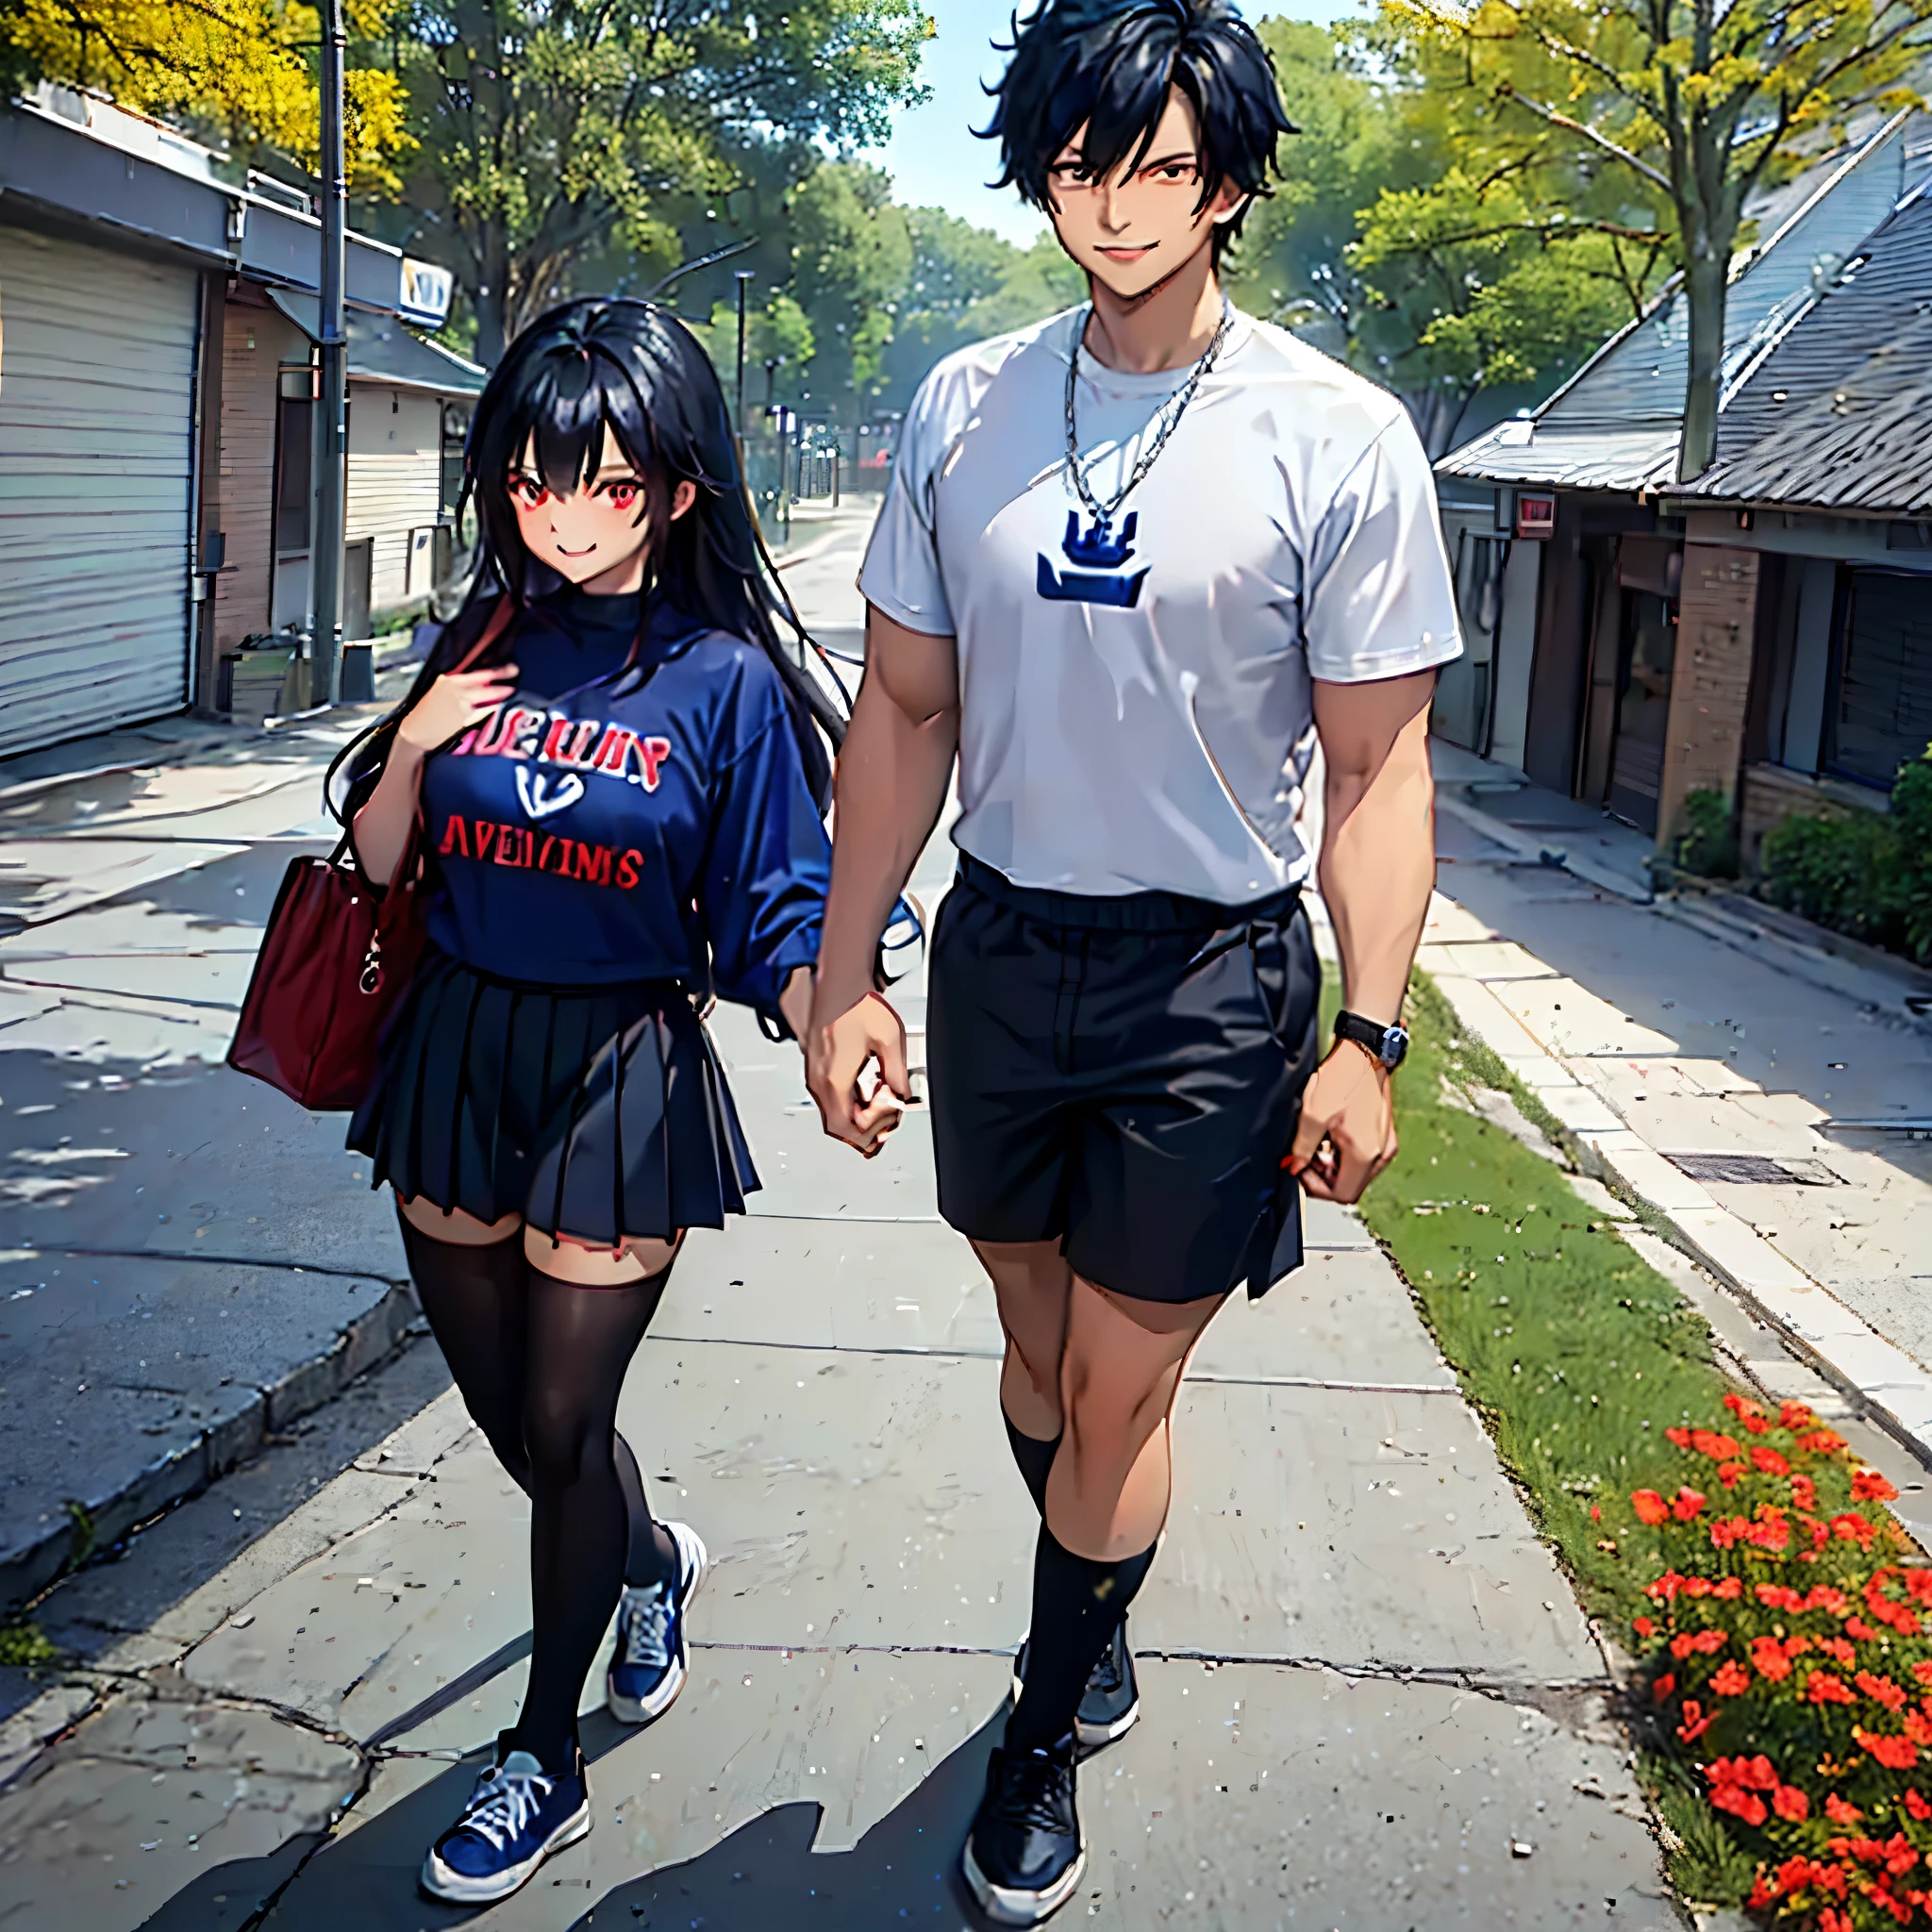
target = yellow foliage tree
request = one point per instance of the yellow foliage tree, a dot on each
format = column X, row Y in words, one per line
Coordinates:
column 241, row 72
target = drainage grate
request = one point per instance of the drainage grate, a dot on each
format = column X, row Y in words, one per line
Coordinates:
column 1745, row 1170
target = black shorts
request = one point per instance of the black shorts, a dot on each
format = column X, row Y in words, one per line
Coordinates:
column 1122, row 1076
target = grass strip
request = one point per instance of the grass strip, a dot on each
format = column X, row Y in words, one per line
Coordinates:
column 1576, row 1354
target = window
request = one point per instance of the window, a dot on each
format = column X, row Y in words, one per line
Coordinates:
column 1882, row 710
column 294, row 425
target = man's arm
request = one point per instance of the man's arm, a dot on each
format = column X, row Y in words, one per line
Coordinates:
column 891, row 786
column 1378, row 869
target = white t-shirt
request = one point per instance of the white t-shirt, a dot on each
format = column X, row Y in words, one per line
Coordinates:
column 1136, row 712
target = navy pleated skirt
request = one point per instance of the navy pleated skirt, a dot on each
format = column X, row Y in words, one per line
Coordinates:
column 596, row 1112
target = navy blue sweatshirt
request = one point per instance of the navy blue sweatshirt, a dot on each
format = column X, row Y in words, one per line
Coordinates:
column 610, row 824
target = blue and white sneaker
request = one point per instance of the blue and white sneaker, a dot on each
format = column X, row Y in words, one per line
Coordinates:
column 650, row 1661
column 517, row 1816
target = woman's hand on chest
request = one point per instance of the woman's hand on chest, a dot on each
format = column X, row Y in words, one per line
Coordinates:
column 458, row 701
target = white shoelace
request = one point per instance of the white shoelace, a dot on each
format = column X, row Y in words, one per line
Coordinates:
column 505, row 1803
column 648, row 1626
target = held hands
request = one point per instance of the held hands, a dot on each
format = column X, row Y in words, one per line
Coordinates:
column 1347, row 1131
column 836, row 1057
column 456, row 702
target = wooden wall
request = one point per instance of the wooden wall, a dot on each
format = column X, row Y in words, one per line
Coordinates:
column 395, row 480
column 255, row 342
column 1711, row 681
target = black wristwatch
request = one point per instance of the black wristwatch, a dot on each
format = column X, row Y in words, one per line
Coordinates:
column 1388, row 1043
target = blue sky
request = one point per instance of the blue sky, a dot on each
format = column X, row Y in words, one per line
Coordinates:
column 934, row 160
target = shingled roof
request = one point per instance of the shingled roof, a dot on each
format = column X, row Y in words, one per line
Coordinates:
column 1837, row 413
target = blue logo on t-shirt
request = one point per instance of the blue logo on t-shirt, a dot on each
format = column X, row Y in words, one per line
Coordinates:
column 1096, row 546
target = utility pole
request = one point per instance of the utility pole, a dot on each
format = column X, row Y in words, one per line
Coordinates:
column 745, row 276
column 332, row 404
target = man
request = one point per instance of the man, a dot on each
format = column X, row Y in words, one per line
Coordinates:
column 1131, row 565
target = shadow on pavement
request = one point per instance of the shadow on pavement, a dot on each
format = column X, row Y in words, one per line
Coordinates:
column 761, row 1877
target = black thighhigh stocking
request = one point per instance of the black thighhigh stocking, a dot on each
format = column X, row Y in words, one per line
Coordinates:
column 540, row 1364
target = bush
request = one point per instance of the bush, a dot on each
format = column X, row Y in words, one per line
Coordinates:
column 1863, row 874
column 1789, row 1651
column 1709, row 843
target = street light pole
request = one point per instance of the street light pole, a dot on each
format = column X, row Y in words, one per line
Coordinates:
column 332, row 404
column 745, row 276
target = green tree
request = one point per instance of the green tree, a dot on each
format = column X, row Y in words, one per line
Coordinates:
column 851, row 256
column 1397, row 244
column 560, row 134
column 1685, row 105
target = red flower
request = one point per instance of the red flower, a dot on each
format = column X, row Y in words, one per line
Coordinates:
column 1882, row 1688
column 1820, row 1687
column 1649, row 1508
column 1597, row 1512
column 1839, row 1812
column 1743, row 1804
column 1728, row 1588
column 1778, row 1596
column 1757, row 1424
column 1679, row 1436
column 1803, row 1492
column 1687, row 1505
column 1741, row 1406
column 1923, row 1672
column 1895, row 1753
column 1768, row 1461
column 1719, row 1448
column 1917, row 1805
column 1664, row 1686
column 1856, row 1626
column 1850, row 1527
column 1919, row 1585
column 1868, row 1486
column 1643, row 1626
column 1732, row 1679
column 1821, row 1442
column 1697, row 1643
column 1696, row 1724
column 1838, row 1650
column 1768, row 1655
column 1728, row 1473
column 1790, row 1804
column 1794, row 1415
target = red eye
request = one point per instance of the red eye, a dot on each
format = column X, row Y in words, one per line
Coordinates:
column 622, row 495
column 527, row 490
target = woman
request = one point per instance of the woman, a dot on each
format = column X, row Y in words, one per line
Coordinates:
column 613, row 771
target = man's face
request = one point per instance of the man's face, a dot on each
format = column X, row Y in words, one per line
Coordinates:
column 1136, row 226
column 598, row 529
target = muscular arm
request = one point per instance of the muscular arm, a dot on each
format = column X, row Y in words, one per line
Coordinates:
column 892, row 784
column 1377, row 868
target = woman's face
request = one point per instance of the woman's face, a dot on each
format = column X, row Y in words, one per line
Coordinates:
column 597, row 537
column 1135, row 227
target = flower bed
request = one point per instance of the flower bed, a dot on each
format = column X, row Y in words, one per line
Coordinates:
column 1789, row 1649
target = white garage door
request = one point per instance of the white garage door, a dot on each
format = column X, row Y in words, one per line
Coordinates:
column 97, row 393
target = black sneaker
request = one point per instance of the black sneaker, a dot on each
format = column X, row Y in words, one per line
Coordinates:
column 1110, row 1704
column 1025, row 1853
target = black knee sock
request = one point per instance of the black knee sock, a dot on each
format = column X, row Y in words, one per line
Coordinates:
column 1077, row 1605
column 1034, row 1457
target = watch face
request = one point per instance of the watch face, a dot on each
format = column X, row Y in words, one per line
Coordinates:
column 1394, row 1046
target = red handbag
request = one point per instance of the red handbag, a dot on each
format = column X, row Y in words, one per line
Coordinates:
column 335, row 958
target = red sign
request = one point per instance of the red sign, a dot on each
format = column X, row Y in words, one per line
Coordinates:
column 1536, row 516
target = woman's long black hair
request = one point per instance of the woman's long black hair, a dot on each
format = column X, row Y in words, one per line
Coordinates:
column 600, row 367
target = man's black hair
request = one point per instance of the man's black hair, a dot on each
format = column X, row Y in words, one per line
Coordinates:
column 1110, row 64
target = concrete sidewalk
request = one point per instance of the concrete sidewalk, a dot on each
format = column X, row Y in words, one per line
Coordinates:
column 1370, row 1697
column 1769, row 1109
column 187, row 1260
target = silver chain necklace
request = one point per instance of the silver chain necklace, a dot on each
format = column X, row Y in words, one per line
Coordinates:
column 1171, row 410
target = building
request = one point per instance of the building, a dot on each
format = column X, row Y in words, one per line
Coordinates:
column 155, row 371
column 1599, row 624
column 1818, row 513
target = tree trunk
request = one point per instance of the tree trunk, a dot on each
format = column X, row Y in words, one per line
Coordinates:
column 1705, row 271
column 491, row 297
